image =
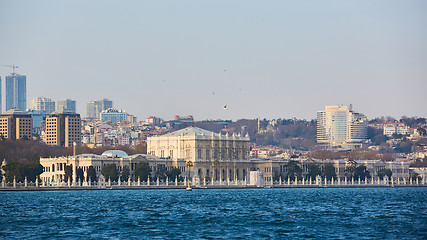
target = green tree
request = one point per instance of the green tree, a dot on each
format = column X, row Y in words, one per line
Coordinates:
column 21, row 170
column 68, row 173
column 350, row 168
column 294, row 170
column 384, row 172
column 160, row 172
column 362, row 172
column 173, row 173
column 414, row 176
column 422, row 131
column 404, row 147
column 110, row 171
column 378, row 139
column 80, row 175
column 142, row 170
column 32, row 170
column 125, row 173
column 313, row 170
column 91, row 173
column 329, row 171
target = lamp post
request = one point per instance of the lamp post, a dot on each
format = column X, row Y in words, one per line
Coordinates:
column 189, row 164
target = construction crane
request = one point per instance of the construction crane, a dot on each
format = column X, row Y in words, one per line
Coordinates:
column 13, row 66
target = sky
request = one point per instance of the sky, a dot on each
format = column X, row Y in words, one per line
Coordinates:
column 266, row 59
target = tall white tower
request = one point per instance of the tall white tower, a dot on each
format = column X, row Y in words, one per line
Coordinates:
column 339, row 127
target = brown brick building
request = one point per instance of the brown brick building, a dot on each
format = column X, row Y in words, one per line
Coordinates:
column 63, row 128
column 16, row 124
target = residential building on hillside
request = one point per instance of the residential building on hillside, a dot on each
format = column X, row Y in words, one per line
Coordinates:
column 16, row 92
column 94, row 108
column 67, row 104
column 16, row 124
column 43, row 104
column 395, row 128
column 153, row 120
column 63, row 128
column 338, row 127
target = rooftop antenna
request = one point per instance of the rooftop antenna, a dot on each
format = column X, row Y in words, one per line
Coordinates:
column 13, row 66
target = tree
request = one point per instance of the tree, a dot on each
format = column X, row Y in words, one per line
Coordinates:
column 313, row 170
column 350, row 168
column 189, row 165
column 125, row 173
column 68, row 173
column 294, row 170
column 142, row 170
column 173, row 173
column 404, row 147
column 110, row 171
column 80, row 175
column 378, row 139
column 141, row 148
column 422, row 131
column 19, row 171
column 160, row 172
column 329, row 171
column 384, row 172
column 415, row 176
column 32, row 170
column 361, row 172
column 91, row 173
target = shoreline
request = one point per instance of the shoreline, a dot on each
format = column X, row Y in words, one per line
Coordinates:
column 45, row 189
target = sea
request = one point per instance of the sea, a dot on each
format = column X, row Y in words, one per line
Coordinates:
column 289, row 213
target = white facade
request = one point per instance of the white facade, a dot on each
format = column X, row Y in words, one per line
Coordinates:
column 213, row 155
column 43, row 104
column 340, row 127
column 54, row 168
column 395, row 128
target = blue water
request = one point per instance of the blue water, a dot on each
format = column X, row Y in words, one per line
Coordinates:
column 352, row 213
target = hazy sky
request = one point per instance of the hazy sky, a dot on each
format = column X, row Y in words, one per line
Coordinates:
column 268, row 59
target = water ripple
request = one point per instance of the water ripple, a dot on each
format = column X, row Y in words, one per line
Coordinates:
column 368, row 213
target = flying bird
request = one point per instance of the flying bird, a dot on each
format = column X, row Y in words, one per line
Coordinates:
column 225, row 107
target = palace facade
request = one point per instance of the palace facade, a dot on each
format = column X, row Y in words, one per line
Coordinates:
column 211, row 155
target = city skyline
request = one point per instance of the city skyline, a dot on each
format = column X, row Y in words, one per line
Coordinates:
column 280, row 60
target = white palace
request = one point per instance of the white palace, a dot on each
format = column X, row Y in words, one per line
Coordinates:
column 212, row 157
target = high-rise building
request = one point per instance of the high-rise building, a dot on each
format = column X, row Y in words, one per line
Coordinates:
column 63, row 128
column 43, row 104
column 16, row 92
column 338, row 127
column 94, row 108
column 16, row 124
column 39, row 118
column 0, row 97
column 113, row 115
column 67, row 104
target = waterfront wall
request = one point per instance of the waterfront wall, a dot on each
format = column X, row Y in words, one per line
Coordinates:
column 195, row 183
